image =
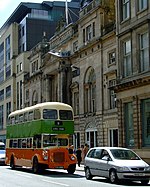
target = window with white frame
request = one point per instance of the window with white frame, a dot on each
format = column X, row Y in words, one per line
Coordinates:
column 125, row 9
column 20, row 66
column 113, row 137
column 88, row 33
column 144, row 52
column 91, row 137
column 142, row 4
column 112, row 99
column 127, row 63
column 112, row 58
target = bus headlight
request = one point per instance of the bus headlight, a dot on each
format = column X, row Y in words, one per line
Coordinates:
column 45, row 154
column 72, row 157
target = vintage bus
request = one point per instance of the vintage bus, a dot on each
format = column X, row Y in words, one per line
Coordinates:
column 38, row 137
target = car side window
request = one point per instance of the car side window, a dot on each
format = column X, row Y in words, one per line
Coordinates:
column 105, row 155
column 97, row 153
column 91, row 153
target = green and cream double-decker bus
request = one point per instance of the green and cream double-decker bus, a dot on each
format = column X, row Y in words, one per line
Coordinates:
column 38, row 137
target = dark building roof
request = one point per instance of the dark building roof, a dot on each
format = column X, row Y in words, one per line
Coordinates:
column 24, row 8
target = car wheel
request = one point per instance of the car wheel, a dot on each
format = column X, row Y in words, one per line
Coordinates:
column 88, row 174
column 144, row 182
column 113, row 176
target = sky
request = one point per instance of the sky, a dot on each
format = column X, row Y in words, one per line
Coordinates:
column 7, row 7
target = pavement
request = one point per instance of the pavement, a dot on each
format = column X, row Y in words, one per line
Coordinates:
column 81, row 168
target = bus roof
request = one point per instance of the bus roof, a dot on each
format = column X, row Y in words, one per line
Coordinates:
column 46, row 105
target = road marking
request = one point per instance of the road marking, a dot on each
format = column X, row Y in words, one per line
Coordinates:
column 24, row 176
column 61, row 184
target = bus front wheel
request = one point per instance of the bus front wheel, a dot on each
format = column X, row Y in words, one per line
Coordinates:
column 71, row 169
column 35, row 166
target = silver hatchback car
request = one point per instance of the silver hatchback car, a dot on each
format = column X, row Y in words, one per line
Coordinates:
column 116, row 163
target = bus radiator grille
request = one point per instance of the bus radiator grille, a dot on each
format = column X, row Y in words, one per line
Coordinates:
column 59, row 157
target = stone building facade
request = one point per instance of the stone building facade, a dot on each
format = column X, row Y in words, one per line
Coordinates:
column 99, row 65
column 77, row 70
column 133, row 79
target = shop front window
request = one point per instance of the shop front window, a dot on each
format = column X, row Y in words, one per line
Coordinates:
column 146, row 122
column 128, row 119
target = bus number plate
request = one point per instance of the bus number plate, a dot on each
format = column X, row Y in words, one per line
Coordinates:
column 58, row 128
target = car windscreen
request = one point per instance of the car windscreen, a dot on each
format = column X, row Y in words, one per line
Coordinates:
column 123, row 154
column 2, row 147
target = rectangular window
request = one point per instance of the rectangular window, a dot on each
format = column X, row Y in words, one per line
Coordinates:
column 125, row 9
column 2, row 62
column 93, row 29
column 8, row 110
column 88, row 33
column 83, row 35
column 128, row 121
column 145, row 114
column 144, row 52
column 23, row 31
column 142, row 4
column 17, row 68
column 7, row 49
column 20, row 66
column 112, row 58
column 93, row 95
column 17, row 95
column 113, row 137
column 20, row 94
column 75, row 46
column 76, row 103
column 2, row 95
column 127, row 66
column 8, row 91
column 1, row 117
column 112, row 99
column 27, row 94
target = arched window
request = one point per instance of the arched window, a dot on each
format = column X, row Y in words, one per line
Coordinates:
column 35, row 98
column 90, row 91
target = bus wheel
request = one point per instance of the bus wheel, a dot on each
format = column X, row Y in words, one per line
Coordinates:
column 35, row 166
column 12, row 162
column 71, row 169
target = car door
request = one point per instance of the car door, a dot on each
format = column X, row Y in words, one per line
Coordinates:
column 103, row 164
column 96, row 161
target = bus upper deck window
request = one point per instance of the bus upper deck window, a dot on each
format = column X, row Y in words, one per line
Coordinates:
column 30, row 117
column 66, row 115
column 37, row 114
column 50, row 114
column 26, row 116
